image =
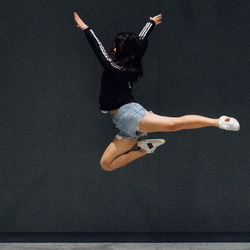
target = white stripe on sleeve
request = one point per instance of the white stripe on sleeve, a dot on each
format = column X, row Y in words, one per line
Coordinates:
column 104, row 52
column 145, row 30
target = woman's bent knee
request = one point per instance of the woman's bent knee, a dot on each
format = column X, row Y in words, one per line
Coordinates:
column 106, row 165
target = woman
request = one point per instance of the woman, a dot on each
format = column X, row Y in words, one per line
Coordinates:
column 122, row 67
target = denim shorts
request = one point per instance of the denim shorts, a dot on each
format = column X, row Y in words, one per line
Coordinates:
column 127, row 119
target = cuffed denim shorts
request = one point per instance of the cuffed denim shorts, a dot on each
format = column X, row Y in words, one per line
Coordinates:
column 127, row 119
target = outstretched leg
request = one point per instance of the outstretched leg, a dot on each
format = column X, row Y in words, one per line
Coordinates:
column 156, row 123
column 119, row 153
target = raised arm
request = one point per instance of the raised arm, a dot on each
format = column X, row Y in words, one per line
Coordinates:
column 97, row 46
column 148, row 28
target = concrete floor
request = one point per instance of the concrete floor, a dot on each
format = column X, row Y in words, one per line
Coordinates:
column 125, row 246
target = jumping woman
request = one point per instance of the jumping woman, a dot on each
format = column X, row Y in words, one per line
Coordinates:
column 122, row 67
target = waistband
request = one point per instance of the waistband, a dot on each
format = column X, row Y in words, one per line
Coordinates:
column 113, row 112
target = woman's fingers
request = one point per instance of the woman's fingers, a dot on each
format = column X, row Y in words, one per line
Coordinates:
column 75, row 15
column 77, row 18
column 156, row 19
column 159, row 17
column 79, row 21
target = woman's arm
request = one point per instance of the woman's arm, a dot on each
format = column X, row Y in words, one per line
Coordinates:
column 148, row 28
column 97, row 46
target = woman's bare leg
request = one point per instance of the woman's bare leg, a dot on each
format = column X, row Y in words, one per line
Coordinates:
column 156, row 123
column 119, row 153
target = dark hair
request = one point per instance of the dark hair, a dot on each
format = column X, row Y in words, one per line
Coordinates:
column 129, row 52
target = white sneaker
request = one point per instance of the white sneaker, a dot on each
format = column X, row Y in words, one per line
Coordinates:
column 229, row 123
column 150, row 145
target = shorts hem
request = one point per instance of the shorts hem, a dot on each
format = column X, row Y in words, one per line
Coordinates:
column 120, row 137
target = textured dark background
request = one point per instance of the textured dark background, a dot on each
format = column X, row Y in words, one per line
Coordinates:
column 52, row 133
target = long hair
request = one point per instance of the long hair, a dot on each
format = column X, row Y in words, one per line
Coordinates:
column 129, row 52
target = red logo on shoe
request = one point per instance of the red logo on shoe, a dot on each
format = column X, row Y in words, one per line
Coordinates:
column 227, row 120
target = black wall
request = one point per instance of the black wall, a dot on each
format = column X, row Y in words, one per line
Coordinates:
column 52, row 133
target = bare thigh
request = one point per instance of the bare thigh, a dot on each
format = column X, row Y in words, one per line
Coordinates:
column 116, row 148
column 157, row 123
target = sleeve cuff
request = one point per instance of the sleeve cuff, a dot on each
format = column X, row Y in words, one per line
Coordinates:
column 86, row 30
column 152, row 21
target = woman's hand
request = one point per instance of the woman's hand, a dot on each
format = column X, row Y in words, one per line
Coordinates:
column 156, row 19
column 80, row 23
